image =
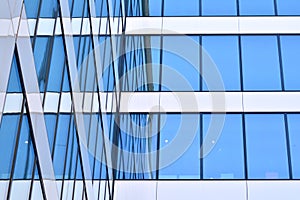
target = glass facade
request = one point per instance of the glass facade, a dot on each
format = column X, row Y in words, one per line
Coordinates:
column 98, row 91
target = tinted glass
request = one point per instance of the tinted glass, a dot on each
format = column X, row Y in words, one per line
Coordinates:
column 188, row 165
column 219, row 7
column 224, row 51
column 226, row 160
column 288, row 7
column 256, row 7
column 290, row 49
column 294, row 136
column 260, row 63
column 266, row 146
column 181, row 8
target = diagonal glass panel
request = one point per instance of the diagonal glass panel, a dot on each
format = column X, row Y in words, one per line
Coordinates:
column 14, row 83
column 25, row 153
column 8, row 133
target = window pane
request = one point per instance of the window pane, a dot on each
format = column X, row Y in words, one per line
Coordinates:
column 188, row 165
column 257, row 7
column 290, row 48
column 260, row 63
column 181, row 8
column 219, row 7
column 155, row 7
column 185, row 73
column 25, row 153
column 294, row 136
column 8, row 130
column 266, row 146
column 288, row 7
column 226, row 160
column 227, row 63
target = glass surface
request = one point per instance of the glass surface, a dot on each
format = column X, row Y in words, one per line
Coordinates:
column 57, row 65
column 8, row 132
column 188, row 165
column 60, row 145
column 14, row 83
column 226, row 160
column 260, row 63
column 266, row 146
column 290, row 49
column 155, row 7
column 224, row 51
column 181, row 8
column 178, row 74
column 79, row 8
column 31, row 8
column 294, row 140
column 256, row 7
column 101, row 8
column 219, row 7
column 49, row 8
column 288, row 7
column 25, row 154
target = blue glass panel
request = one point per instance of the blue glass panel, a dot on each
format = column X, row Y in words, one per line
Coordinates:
column 79, row 8
column 49, row 9
column 186, row 75
column 25, row 153
column 226, row 160
column 188, row 165
column 260, row 63
column 155, row 7
column 257, row 7
column 181, row 8
column 31, row 7
column 42, row 54
column 14, row 83
column 219, row 7
column 290, row 48
column 227, row 63
column 266, row 146
column 101, row 8
column 8, row 130
column 56, row 66
column 50, row 120
column 288, row 7
column 294, row 136
column 60, row 145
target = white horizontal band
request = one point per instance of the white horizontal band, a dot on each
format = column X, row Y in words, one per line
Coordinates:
column 162, row 25
column 167, row 189
column 170, row 102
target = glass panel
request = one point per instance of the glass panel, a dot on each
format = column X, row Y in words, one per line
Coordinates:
column 294, row 136
column 8, row 131
column 49, row 8
column 31, row 7
column 290, row 48
column 227, row 63
column 101, row 8
column 60, row 145
column 79, row 8
column 288, row 7
column 188, row 165
column 14, row 83
column 25, row 153
column 266, row 146
column 181, row 8
column 260, row 63
column 155, row 7
column 256, row 7
column 219, row 7
column 226, row 160
column 186, row 75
